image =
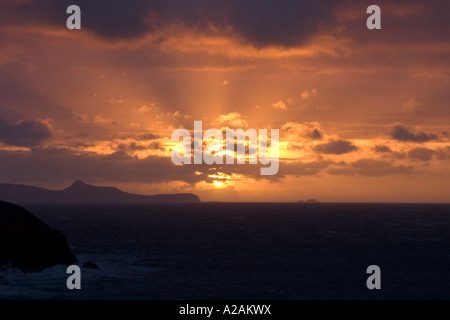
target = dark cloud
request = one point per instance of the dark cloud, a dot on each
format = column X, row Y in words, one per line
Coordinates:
column 421, row 154
column 381, row 149
column 371, row 168
column 336, row 147
column 387, row 152
column 397, row 155
column 119, row 155
column 428, row 19
column 260, row 23
column 134, row 146
column 27, row 133
column 148, row 136
column 300, row 168
column 63, row 166
column 443, row 153
column 402, row 133
column 271, row 23
column 111, row 19
column 316, row 134
column 117, row 19
column 295, row 130
column 295, row 168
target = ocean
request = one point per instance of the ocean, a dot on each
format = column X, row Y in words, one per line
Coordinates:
column 251, row 251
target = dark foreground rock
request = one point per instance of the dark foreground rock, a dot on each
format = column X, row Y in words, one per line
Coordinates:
column 27, row 243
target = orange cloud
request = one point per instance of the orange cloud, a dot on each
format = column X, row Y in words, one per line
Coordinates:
column 232, row 120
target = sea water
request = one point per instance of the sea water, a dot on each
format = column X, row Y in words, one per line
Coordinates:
column 244, row 251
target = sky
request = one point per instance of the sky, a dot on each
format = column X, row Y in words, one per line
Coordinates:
column 363, row 115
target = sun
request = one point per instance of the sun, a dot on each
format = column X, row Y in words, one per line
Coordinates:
column 220, row 179
column 218, row 184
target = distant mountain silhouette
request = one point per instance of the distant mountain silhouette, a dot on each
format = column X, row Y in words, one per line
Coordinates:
column 308, row 201
column 80, row 192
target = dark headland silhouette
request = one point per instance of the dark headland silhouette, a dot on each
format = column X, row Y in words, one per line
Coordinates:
column 27, row 243
column 308, row 201
column 80, row 192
